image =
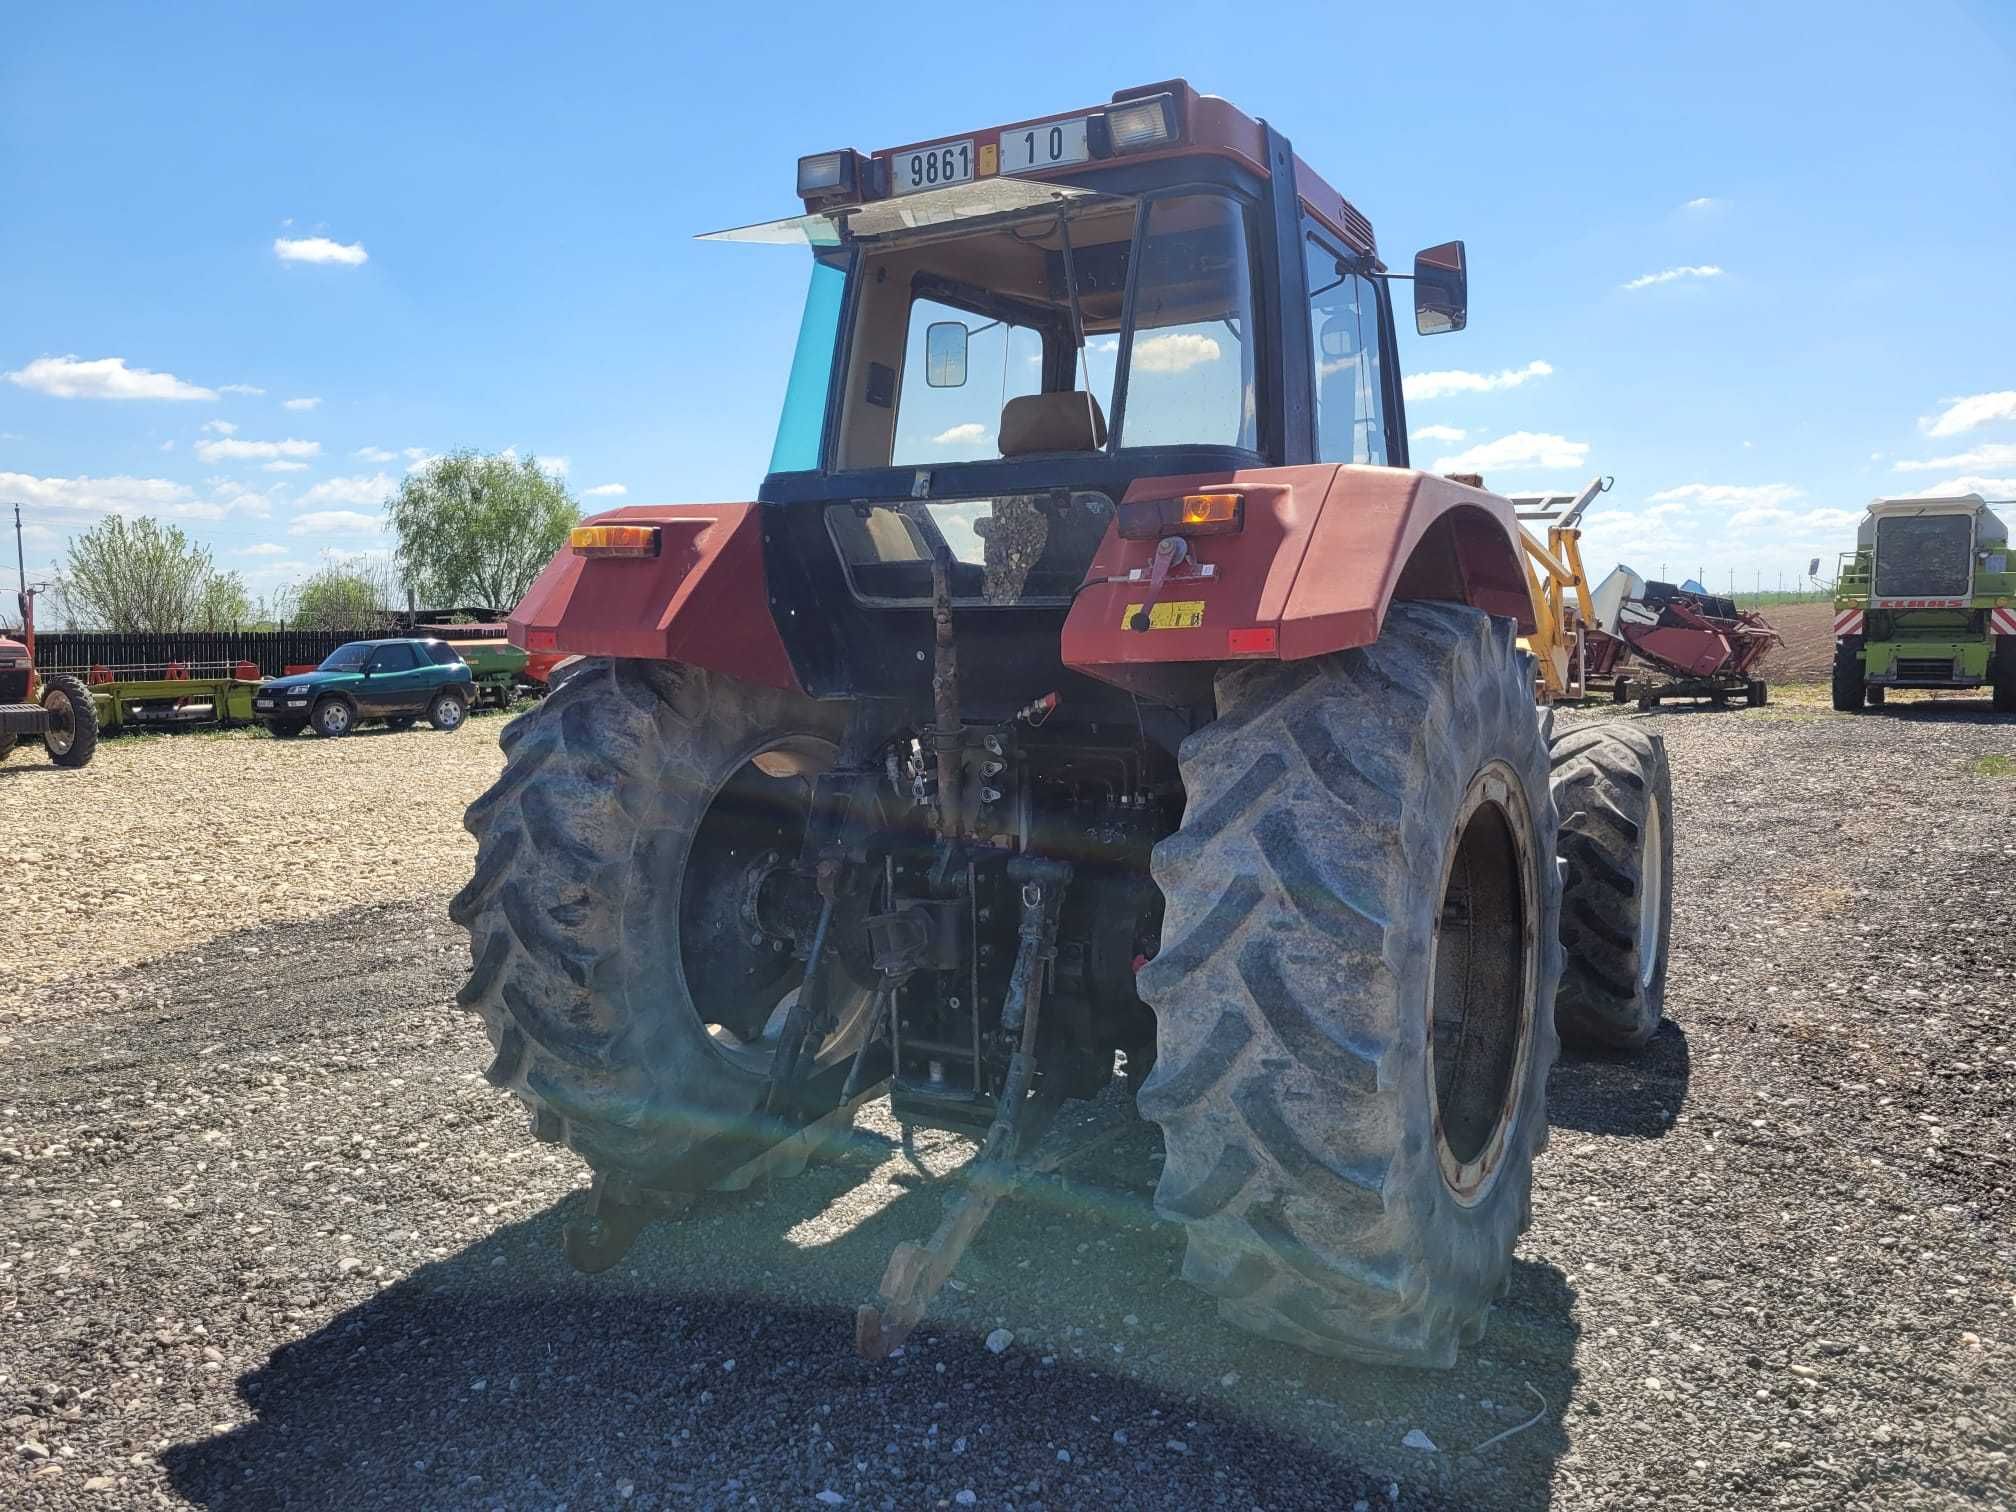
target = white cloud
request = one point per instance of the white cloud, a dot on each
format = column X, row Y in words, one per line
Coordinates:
column 1439, row 385
column 320, row 249
column 1988, row 488
column 336, row 521
column 1517, row 452
column 1989, row 454
column 1705, row 202
column 220, row 427
column 263, row 549
column 73, row 377
column 249, row 390
column 972, row 433
column 255, row 451
column 1177, row 352
column 605, row 491
column 554, row 466
column 1742, row 495
column 76, row 499
column 1668, row 275
column 371, row 490
column 1437, row 433
column 299, row 404
column 167, row 446
column 285, row 467
column 373, row 454
column 1966, row 413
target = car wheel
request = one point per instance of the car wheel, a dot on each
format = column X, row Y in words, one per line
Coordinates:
column 333, row 717
column 448, row 710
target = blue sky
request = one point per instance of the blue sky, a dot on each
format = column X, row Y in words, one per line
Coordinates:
column 488, row 215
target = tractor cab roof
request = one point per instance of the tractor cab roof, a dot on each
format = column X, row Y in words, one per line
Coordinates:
column 1024, row 165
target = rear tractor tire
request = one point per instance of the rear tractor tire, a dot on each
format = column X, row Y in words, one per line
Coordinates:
column 72, row 737
column 1354, row 1000
column 1850, row 676
column 628, row 1005
column 1614, row 791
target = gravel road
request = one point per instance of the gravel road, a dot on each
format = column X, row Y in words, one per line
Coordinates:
column 267, row 1239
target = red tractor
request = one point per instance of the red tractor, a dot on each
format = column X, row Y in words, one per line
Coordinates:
column 1091, row 685
column 58, row 707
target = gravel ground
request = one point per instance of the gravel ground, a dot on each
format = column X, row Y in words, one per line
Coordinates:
column 170, row 841
column 268, row 1240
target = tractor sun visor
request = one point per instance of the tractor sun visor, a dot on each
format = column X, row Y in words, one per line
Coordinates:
column 614, row 540
column 1191, row 515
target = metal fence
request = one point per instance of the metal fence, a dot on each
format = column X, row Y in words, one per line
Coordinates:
column 135, row 655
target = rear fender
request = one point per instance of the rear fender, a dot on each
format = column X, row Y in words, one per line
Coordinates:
column 701, row 600
column 1322, row 552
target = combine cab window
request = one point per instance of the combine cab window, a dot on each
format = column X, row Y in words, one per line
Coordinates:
column 1190, row 365
column 1925, row 556
column 1344, row 326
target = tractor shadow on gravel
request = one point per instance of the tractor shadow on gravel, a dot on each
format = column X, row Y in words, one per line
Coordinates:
column 498, row 1376
column 1633, row 1093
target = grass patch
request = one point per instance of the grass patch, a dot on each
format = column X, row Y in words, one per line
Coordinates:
column 1993, row 766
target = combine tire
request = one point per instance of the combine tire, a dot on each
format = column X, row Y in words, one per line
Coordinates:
column 629, row 1008
column 1757, row 694
column 72, row 735
column 1876, row 696
column 1849, row 674
column 2002, row 669
column 1354, row 1000
column 1614, row 792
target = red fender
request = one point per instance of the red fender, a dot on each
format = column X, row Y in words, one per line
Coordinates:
column 701, row 600
column 1321, row 553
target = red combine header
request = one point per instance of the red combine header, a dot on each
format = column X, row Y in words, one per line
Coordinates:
column 1692, row 644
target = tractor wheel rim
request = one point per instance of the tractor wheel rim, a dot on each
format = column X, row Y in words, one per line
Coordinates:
column 1651, row 890
column 62, row 732
column 1483, row 982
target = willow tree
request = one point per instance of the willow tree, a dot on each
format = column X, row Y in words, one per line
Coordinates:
column 476, row 529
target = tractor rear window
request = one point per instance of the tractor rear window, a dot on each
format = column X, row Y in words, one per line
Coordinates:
column 1009, row 549
column 1925, row 556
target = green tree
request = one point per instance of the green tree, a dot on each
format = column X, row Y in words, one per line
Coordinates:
column 138, row 575
column 337, row 599
column 478, row 529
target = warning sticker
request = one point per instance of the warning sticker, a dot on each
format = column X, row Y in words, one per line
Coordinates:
column 1187, row 614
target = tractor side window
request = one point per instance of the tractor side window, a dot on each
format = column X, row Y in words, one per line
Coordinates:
column 1344, row 326
column 1191, row 359
column 950, row 413
column 394, row 658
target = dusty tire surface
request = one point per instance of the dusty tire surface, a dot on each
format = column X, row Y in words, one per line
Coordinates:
column 83, row 715
column 1613, row 789
column 1849, row 674
column 1295, row 1078
column 584, row 845
column 448, row 711
column 333, row 718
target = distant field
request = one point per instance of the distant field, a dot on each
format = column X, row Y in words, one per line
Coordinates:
column 1790, row 596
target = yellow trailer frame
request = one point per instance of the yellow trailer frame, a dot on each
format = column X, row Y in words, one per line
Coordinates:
column 1559, row 588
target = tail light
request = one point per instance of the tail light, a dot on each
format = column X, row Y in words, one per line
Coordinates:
column 1198, row 514
column 614, row 540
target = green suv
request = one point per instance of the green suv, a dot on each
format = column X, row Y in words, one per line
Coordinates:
column 397, row 681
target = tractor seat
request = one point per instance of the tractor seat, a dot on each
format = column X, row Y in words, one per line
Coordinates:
column 1066, row 422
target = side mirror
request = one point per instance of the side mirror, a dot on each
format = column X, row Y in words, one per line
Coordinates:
column 1441, row 289
column 945, row 354
column 1339, row 337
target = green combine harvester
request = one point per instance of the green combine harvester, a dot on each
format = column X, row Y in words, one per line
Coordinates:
column 1926, row 600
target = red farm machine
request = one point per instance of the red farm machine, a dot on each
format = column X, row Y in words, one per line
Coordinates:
column 1656, row 641
column 57, row 709
column 1093, row 713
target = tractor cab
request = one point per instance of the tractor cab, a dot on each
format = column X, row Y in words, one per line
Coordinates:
column 1008, row 328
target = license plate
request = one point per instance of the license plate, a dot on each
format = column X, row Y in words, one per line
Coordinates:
column 262, row 703
column 1044, row 146
column 932, row 167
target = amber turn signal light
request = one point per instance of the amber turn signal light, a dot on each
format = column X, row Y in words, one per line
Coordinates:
column 1196, row 514
column 614, row 540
